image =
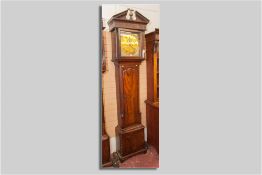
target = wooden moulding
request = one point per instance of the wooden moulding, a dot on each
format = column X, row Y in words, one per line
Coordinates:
column 153, row 104
column 119, row 21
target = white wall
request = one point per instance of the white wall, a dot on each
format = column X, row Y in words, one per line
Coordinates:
column 150, row 11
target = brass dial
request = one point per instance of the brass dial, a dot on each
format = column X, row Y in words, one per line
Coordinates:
column 129, row 43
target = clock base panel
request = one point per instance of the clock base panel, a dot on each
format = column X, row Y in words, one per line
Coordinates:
column 130, row 141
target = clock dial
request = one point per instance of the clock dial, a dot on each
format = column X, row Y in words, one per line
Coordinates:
column 129, row 43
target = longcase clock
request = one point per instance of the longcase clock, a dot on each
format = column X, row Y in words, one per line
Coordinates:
column 128, row 37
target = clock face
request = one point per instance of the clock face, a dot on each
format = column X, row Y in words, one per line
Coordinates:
column 129, row 43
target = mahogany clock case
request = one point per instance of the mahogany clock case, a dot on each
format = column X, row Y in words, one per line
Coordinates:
column 124, row 51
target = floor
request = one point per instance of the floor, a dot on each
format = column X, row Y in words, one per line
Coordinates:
column 147, row 160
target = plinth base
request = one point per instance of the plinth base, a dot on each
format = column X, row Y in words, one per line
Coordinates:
column 130, row 141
